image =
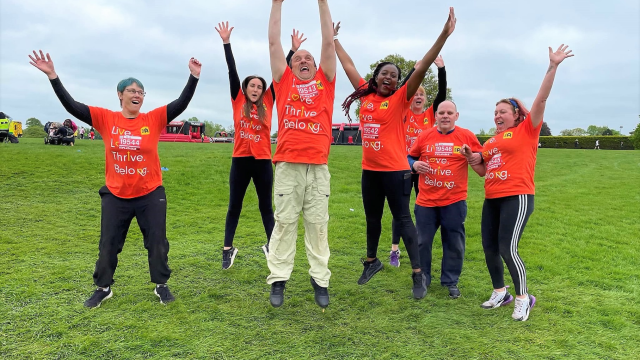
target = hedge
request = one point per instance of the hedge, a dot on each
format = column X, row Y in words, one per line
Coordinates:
column 584, row 142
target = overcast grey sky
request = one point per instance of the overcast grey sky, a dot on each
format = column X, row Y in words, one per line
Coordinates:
column 499, row 49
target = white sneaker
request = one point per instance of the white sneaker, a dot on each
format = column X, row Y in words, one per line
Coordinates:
column 497, row 299
column 522, row 308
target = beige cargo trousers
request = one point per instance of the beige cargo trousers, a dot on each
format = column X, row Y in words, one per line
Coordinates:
column 300, row 188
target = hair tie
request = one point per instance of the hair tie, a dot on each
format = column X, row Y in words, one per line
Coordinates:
column 515, row 104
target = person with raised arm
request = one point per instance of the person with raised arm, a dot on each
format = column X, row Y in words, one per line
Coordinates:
column 304, row 102
column 133, row 177
column 385, row 171
column 509, row 167
column 252, row 104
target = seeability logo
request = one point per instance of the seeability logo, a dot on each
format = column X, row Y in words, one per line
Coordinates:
column 384, row 105
column 507, row 135
column 144, row 130
column 319, row 85
column 457, row 149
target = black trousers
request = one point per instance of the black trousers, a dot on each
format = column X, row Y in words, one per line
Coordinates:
column 243, row 170
column 503, row 221
column 395, row 234
column 151, row 213
column 395, row 186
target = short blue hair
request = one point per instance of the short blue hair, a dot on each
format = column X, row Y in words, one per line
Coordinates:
column 128, row 81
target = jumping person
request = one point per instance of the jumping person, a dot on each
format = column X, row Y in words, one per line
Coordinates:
column 304, row 101
column 510, row 159
column 133, row 177
column 441, row 202
column 252, row 104
column 417, row 120
column 385, row 171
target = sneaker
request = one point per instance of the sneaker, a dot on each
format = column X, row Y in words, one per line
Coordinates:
column 419, row 285
column 162, row 291
column 321, row 294
column 394, row 258
column 454, row 292
column 370, row 269
column 98, row 296
column 228, row 256
column 277, row 293
column 522, row 308
column 265, row 250
column 497, row 299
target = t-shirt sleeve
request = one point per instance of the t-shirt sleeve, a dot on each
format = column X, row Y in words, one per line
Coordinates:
column 285, row 80
column 99, row 118
column 402, row 95
column 473, row 142
column 268, row 98
column 533, row 133
column 361, row 82
column 158, row 118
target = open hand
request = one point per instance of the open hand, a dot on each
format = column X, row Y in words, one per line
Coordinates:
column 297, row 38
column 560, row 54
column 194, row 67
column 224, row 31
column 421, row 167
column 336, row 28
column 439, row 62
column 451, row 22
column 46, row 66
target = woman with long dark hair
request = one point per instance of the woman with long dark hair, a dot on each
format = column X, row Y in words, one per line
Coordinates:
column 385, row 170
column 133, row 177
column 252, row 104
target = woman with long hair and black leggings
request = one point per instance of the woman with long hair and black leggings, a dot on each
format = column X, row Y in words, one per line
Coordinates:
column 385, row 171
column 251, row 160
column 133, row 177
column 417, row 120
column 510, row 160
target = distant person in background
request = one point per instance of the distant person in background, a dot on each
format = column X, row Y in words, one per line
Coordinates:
column 81, row 133
column 576, row 144
column 621, row 144
column 92, row 133
column 597, row 145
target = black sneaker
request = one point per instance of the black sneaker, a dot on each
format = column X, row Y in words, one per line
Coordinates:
column 227, row 257
column 370, row 269
column 321, row 294
column 419, row 285
column 454, row 292
column 265, row 250
column 277, row 293
column 98, row 296
column 162, row 291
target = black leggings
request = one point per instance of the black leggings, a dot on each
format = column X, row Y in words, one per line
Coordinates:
column 243, row 169
column 395, row 186
column 503, row 221
column 395, row 234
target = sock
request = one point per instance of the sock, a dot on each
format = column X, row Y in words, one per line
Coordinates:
column 501, row 292
column 161, row 285
column 105, row 289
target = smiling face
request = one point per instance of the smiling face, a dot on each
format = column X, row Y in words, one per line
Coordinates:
column 303, row 65
column 254, row 90
column 131, row 98
column 419, row 99
column 504, row 117
column 447, row 116
column 387, row 80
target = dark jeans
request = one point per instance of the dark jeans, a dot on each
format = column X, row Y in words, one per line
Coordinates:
column 243, row 170
column 450, row 219
column 503, row 221
column 395, row 235
column 151, row 213
column 395, row 186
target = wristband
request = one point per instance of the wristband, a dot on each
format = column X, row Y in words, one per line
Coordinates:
column 335, row 37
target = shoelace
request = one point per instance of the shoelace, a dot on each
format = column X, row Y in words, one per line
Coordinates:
column 520, row 305
column 495, row 296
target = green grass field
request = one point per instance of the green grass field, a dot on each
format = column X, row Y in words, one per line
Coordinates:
column 581, row 247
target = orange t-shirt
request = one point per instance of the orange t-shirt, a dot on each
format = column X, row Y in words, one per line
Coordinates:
column 252, row 136
column 414, row 124
column 383, row 136
column 510, row 159
column 305, row 110
column 446, row 180
column 132, row 166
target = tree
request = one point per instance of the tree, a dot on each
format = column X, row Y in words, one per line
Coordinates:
column 34, row 129
column 544, row 130
column 601, row 130
column 607, row 132
column 274, row 135
column 482, row 132
column 492, row 131
column 573, row 132
column 430, row 82
column 635, row 137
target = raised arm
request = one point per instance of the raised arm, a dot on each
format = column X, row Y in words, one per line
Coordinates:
column 177, row 106
column 422, row 66
column 77, row 109
column 276, row 53
column 555, row 58
column 442, row 83
column 328, row 52
column 234, row 80
column 346, row 61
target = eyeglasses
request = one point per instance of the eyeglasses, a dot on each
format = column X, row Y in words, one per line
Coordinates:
column 134, row 91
